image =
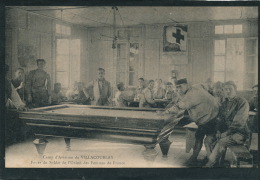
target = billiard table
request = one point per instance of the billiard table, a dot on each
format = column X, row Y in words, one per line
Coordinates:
column 126, row 125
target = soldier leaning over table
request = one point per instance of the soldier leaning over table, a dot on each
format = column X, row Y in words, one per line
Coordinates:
column 203, row 109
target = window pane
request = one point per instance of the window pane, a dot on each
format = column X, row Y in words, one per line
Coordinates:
column 61, row 29
column 219, row 76
column 219, row 29
column 75, row 47
column 220, row 47
column 235, row 61
column 132, row 64
column 121, row 65
column 219, row 64
column 238, row 28
column 62, row 46
column 63, row 78
column 62, row 63
column 132, row 79
column 121, row 50
column 228, row 29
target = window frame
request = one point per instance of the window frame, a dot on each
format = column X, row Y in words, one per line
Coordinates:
column 233, row 31
column 69, row 70
column 226, row 37
column 214, row 55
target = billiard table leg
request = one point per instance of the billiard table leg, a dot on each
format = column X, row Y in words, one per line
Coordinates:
column 67, row 141
column 165, row 146
column 150, row 153
column 40, row 144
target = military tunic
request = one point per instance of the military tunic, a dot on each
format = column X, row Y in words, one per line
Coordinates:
column 39, row 87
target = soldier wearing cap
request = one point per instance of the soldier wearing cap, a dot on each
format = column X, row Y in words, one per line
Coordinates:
column 232, row 126
column 203, row 109
column 39, row 86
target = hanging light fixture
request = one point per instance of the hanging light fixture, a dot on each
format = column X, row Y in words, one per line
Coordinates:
column 114, row 8
column 114, row 36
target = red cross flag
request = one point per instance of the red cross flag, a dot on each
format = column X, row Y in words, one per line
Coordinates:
column 175, row 38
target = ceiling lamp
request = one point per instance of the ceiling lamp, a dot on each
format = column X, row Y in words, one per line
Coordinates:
column 114, row 36
column 114, row 8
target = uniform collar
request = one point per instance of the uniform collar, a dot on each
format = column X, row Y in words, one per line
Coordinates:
column 101, row 80
column 231, row 99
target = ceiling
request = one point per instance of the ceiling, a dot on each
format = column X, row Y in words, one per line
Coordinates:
column 96, row 16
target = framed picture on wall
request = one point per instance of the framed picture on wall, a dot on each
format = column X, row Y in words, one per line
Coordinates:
column 175, row 38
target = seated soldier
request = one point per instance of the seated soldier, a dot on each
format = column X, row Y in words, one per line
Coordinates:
column 173, row 78
column 147, row 99
column 12, row 98
column 140, row 88
column 138, row 93
column 72, row 92
column 232, row 125
column 123, row 97
column 56, row 95
column 13, row 126
column 81, row 96
column 18, row 82
column 159, row 92
column 170, row 95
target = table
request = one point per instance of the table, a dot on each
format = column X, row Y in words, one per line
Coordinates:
column 126, row 125
column 160, row 103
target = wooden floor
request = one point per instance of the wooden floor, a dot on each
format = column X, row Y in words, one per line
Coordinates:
column 93, row 153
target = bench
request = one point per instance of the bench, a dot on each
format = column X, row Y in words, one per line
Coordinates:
column 241, row 156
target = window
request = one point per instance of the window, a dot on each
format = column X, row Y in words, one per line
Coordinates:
column 236, row 59
column 127, row 63
column 219, row 60
column 251, row 75
column 229, row 29
column 128, row 56
column 62, row 30
column 133, row 63
column 67, row 61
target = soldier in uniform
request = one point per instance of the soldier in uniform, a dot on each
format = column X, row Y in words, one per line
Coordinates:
column 101, row 90
column 39, row 86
